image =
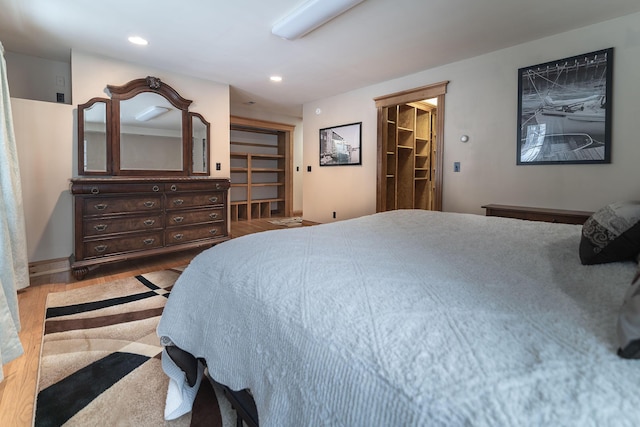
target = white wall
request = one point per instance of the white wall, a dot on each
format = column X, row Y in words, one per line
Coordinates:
column 46, row 135
column 39, row 79
column 482, row 102
column 350, row 191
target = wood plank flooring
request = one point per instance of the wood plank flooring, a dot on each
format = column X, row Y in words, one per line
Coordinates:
column 17, row 391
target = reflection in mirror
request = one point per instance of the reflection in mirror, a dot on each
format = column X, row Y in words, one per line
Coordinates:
column 95, row 138
column 199, row 139
column 150, row 134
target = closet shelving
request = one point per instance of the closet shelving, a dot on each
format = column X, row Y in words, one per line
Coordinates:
column 261, row 169
column 409, row 153
column 261, row 181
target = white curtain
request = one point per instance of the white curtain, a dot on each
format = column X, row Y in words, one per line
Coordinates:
column 14, row 268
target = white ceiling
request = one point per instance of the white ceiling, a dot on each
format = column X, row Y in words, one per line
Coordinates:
column 230, row 41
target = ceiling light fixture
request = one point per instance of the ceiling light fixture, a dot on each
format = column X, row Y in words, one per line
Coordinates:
column 150, row 113
column 309, row 16
column 275, row 78
column 138, row 40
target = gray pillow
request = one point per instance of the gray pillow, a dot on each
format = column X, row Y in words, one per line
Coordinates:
column 611, row 234
column 629, row 322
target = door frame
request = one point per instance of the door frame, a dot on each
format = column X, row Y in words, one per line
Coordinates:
column 436, row 90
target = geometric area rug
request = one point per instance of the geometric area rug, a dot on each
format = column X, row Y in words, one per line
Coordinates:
column 100, row 362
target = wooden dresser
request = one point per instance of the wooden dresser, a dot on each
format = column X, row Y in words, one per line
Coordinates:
column 120, row 218
column 538, row 214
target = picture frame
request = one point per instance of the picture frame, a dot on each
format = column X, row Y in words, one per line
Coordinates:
column 341, row 145
column 564, row 110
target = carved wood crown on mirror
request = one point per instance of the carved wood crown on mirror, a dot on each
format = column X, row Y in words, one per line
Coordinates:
column 149, row 192
column 144, row 129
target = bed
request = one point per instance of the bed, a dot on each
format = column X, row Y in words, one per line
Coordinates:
column 411, row 318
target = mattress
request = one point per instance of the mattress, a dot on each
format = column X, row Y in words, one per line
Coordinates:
column 411, row 318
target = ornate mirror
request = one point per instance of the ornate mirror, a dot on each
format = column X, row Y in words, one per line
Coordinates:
column 146, row 129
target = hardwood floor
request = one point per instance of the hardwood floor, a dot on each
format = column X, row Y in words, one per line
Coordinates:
column 17, row 391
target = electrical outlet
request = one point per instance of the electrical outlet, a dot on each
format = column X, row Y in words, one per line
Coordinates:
column 297, row 168
column 218, row 166
column 308, row 168
column 334, row 214
column 456, row 166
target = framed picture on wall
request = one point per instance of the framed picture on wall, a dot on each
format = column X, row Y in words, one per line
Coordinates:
column 341, row 145
column 564, row 110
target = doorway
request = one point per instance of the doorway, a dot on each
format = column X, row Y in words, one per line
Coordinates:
column 410, row 148
column 261, row 178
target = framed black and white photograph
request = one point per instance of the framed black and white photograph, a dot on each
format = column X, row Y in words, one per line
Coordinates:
column 564, row 110
column 341, row 145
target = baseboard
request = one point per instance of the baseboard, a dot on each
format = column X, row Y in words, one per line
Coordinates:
column 50, row 266
column 297, row 213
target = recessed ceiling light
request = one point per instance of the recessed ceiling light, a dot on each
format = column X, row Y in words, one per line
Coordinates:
column 276, row 78
column 138, row 40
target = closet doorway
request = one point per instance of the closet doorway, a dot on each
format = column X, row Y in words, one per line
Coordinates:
column 261, row 163
column 410, row 154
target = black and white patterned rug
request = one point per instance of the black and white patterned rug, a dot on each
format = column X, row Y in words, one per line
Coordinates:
column 100, row 362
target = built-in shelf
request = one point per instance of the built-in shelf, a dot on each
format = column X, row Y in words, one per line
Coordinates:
column 260, row 171
column 408, row 144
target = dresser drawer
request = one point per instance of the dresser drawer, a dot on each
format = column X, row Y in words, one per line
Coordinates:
column 117, row 188
column 120, row 244
column 175, row 236
column 181, row 201
column 179, row 218
column 195, row 186
column 104, row 226
column 112, row 205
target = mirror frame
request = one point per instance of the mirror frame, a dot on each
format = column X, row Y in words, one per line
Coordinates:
column 128, row 91
column 109, row 161
column 207, row 125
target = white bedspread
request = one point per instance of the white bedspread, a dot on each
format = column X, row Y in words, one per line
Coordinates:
column 411, row 318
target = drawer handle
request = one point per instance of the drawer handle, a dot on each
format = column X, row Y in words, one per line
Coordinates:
column 213, row 199
column 101, row 206
column 217, row 186
column 149, row 222
column 155, row 188
column 174, row 187
column 100, row 248
column 213, row 215
column 95, row 190
column 178, row 219
column 178, row 236
column 100, row 227
column 214, row 231
column 149, row 204
column 178, row 202
column 148, row 241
